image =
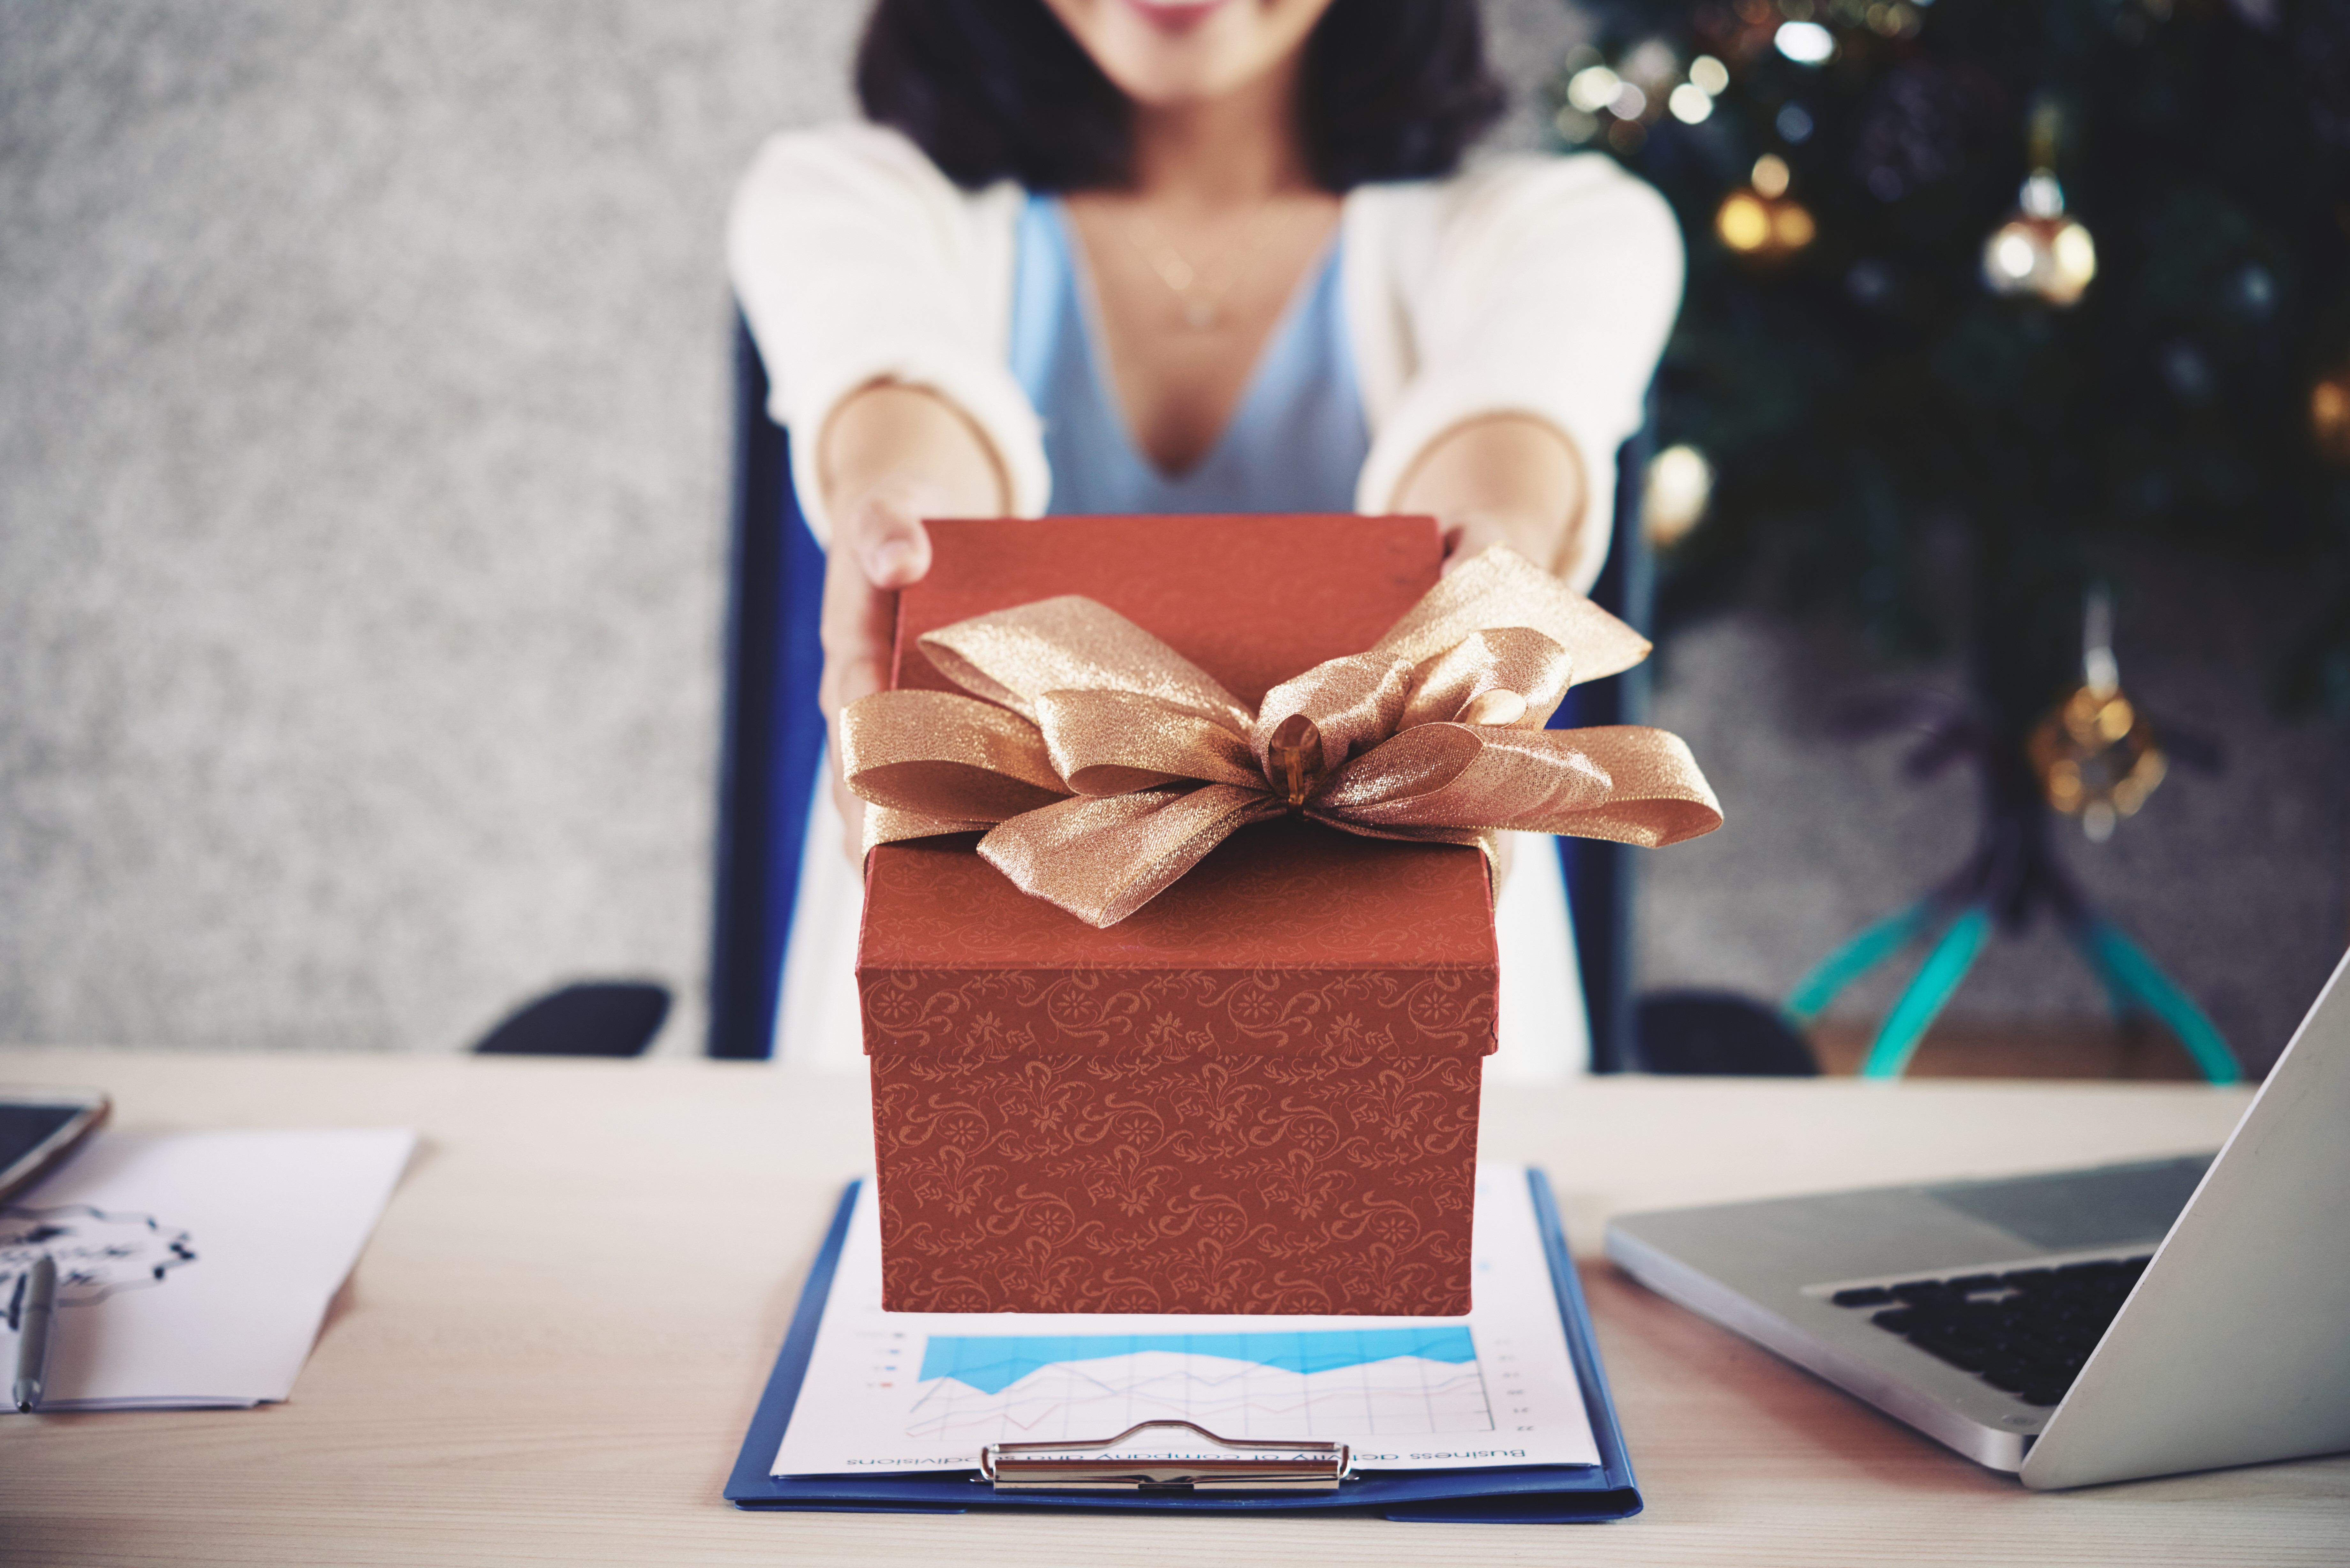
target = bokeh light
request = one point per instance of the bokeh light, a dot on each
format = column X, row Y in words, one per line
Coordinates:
column 1805, row 43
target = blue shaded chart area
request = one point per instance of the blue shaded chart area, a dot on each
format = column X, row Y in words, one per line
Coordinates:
column 991, row 1364
column 1293, row 1383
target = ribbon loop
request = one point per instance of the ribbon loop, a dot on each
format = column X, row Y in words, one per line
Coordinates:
column 1114, row 742
column 938, row 754
column 1498, row 587
column 1511, row 676
column 1658, row 796
column 1458, row 775
column 1354, row 704
column 1073, row 644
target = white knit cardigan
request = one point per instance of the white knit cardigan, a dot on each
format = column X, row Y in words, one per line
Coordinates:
column 1542, row 286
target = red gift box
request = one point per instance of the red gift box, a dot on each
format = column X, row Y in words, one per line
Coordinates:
column 1258, row 1094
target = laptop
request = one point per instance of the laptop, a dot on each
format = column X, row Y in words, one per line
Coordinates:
column 2092, row 1325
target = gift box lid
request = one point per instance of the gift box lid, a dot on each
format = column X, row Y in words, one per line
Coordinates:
column 1252, row 600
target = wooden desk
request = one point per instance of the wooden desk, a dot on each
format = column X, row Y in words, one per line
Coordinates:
column 550, row 1351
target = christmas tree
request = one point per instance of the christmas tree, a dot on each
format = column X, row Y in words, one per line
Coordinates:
column 2039, row 279
column 2054, row 275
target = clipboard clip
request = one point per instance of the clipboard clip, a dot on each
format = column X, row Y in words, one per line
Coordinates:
column 1085, row 1466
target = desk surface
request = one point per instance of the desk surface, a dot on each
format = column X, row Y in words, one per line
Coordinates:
column 552, row 1348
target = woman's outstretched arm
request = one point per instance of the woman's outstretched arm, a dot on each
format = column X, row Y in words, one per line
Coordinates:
column 889, row 456
column 1504, row 479
column 1538, row 293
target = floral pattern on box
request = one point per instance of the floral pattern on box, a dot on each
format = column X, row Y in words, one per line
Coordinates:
column 1299, row 1141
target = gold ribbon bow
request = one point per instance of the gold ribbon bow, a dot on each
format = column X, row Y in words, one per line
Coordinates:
column 1103, row 764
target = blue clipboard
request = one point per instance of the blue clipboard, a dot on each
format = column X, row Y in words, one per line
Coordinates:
column 1531, row 1494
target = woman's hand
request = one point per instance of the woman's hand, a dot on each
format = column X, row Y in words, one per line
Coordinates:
column 1507, row 480
column 889, row 456
column 879, row 545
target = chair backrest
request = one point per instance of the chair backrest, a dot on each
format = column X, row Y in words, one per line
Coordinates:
column 1600, row 876
column 774, row 733
column 589, row 1018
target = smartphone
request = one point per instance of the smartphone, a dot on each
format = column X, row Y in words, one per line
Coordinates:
column 39, row 1127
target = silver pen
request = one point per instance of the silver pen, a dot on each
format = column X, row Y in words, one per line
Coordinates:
column 32, row 1332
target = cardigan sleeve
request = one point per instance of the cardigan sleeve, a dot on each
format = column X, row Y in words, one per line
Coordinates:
column 1537, row 286
column 856, row 261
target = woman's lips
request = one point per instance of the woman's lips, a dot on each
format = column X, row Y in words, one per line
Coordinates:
column 1176, row 15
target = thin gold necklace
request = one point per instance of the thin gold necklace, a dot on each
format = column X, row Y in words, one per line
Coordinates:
column 1201, row 296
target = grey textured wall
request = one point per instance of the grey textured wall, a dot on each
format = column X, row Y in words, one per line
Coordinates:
column 361, row 411
column 361, row 458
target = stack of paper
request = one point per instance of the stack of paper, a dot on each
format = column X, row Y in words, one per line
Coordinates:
column 194, row 1268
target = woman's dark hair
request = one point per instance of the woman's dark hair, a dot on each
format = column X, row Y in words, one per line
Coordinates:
column 993, row 89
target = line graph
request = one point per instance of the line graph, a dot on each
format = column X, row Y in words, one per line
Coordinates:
column 1398, row 1382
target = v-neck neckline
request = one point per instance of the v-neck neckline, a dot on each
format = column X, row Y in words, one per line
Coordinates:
column 1097, row 352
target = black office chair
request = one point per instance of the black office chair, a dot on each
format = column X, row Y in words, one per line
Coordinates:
column 1717, row 1031
column 773, row 734
column 593, row 1018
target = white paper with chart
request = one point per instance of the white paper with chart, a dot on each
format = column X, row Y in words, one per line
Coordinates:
column 893, row 1392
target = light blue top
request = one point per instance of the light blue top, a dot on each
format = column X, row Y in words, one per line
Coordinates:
column 1297, row 441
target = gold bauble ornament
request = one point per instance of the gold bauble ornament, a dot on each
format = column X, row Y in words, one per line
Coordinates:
column 2038, row 250
column 1762, row 223
column 1679, row 488
column 2097, row 759
column 2096, row 754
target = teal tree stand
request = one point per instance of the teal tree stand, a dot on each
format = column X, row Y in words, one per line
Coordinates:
column 2011, row 873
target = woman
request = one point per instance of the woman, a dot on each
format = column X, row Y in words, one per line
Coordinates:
column 1192, row 255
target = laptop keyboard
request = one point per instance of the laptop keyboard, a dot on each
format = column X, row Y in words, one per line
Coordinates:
column 2028, row 1330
